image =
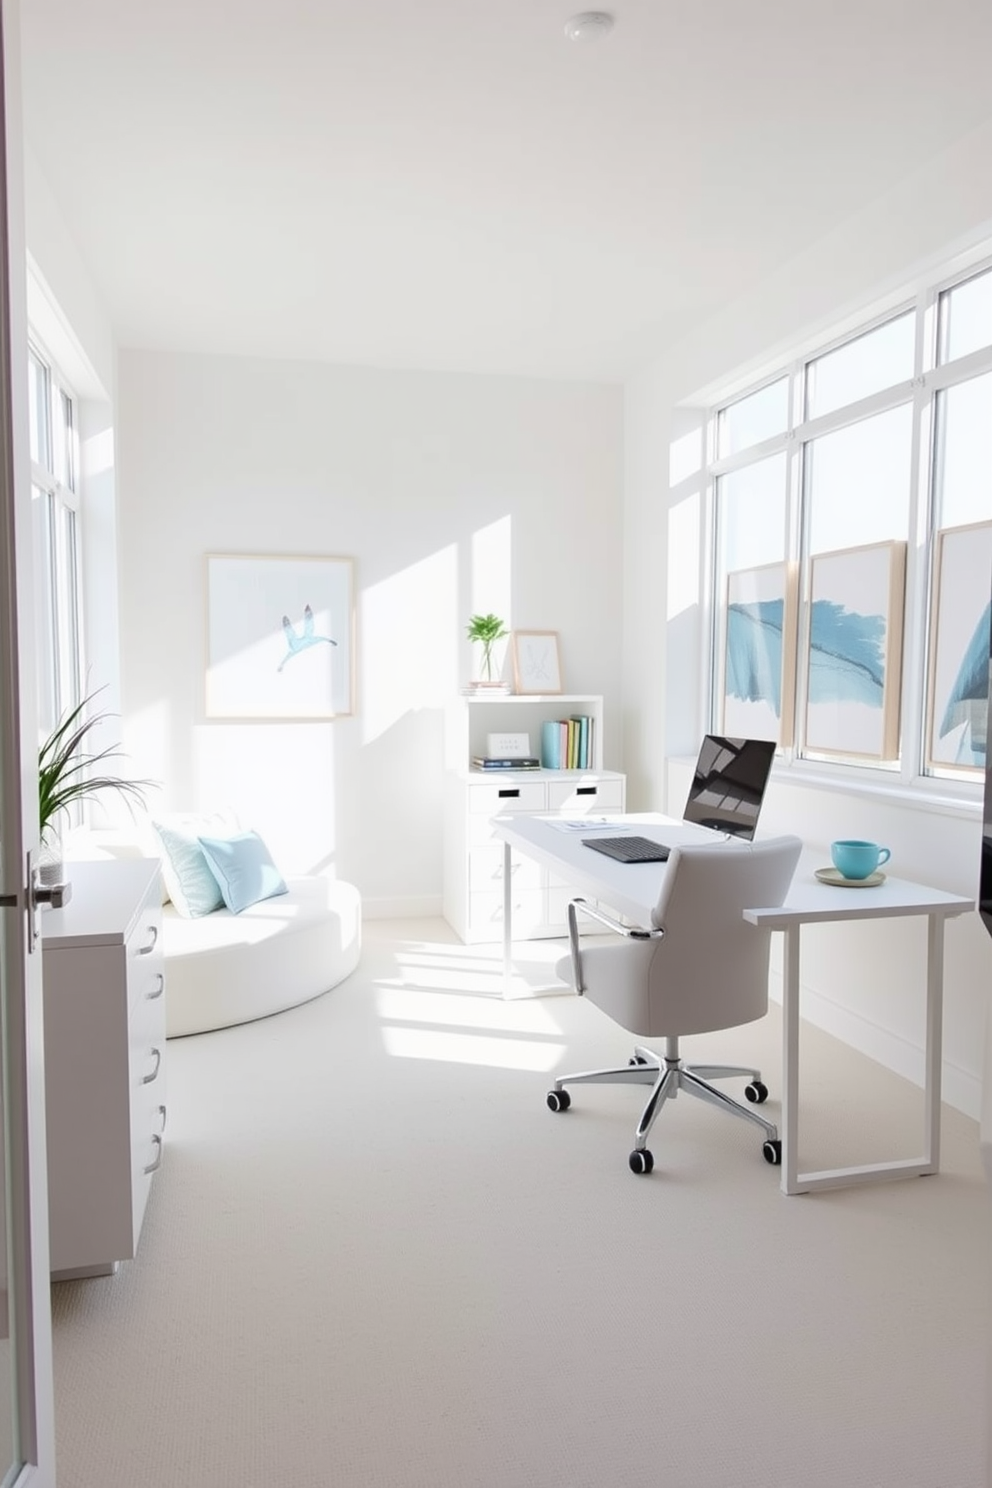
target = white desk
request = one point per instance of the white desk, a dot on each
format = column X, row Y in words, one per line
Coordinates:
column 632, row 889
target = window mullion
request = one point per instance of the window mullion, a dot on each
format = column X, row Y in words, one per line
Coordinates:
column 916, row 620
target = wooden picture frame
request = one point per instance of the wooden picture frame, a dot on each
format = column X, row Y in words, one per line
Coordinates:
column 280, row 637
column 536, row 663
column 759, row 653
column 854, row 651
column 958, row 654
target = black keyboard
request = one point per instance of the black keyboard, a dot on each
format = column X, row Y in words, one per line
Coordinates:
column 629, row 849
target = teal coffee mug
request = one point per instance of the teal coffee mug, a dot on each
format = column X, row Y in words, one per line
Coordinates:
column 856, row 859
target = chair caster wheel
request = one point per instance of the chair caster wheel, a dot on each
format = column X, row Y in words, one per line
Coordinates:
column 559, row 1100
column 640, row 1161
column 637, row 1059
column 756, row 1092
column 772, row 1152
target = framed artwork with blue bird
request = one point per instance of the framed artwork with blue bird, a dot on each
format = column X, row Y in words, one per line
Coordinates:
column 280, row 636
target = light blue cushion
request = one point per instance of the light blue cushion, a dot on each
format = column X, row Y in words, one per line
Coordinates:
column 188, row 878
column 243, row 870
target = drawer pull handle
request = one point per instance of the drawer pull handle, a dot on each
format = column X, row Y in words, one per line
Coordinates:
column 147, row 1079
column 156, row 1161
column 159, row 987
column 508, row 794
column 161, row 1112
column 146, row 950
column 586, row 790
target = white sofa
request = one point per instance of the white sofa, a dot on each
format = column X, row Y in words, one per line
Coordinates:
column 228, row 968
column 225, row 968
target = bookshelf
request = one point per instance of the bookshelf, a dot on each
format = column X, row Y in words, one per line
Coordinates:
column 473, row 858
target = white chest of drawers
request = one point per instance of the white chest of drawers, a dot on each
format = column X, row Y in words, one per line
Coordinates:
column 473, row 876
column 104, row 991
column 473, row 857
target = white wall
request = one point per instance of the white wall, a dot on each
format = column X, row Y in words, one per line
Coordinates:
column 862, row 985
column 450, row 493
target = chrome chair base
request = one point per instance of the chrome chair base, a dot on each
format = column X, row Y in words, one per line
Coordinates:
column 667, row 1074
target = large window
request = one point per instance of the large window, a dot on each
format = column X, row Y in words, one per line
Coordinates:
column 852, row 544
column 54, row 461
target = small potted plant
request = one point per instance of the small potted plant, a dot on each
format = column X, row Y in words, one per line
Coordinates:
column 67, row 773
column 486, row 630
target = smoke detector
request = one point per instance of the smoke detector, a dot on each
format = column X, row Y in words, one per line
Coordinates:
column 591, row 25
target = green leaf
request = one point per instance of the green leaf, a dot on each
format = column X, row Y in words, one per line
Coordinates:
column 66, row 770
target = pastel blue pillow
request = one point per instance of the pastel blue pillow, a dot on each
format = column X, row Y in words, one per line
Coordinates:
column 188, row 878
column 242, row 869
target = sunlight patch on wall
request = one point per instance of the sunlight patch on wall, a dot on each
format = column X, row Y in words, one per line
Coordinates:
column 491, row 591
column 279, row 780
column 685, row 456
column 96, row 453
column 145, row 741
column 683, row 555
column 467, row 1048
column 407, row 644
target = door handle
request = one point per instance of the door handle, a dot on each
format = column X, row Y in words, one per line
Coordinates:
column 57, row 895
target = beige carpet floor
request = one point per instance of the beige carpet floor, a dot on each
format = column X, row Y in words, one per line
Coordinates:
column 374, row 1259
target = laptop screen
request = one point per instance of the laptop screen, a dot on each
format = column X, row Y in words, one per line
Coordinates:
column 729, row 784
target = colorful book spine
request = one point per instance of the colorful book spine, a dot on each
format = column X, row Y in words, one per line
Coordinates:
column 568, row 743
column 581, row 722
column 551, row 744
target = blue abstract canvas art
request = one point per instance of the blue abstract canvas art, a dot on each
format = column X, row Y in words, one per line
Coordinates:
column 855, row 647
column 759, row 653
column 959, row 651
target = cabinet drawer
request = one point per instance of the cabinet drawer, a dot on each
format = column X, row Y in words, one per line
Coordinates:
column 486, row 911
column 491, row 798
column 577, row 797
column 485, row 871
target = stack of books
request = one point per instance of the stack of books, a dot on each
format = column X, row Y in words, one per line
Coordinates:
column 568, row 743
column 485, row 762
column 486, row 689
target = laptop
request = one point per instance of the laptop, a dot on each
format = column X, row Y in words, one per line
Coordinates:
column 727, row 789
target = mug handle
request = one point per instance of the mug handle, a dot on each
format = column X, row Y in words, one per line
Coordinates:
column 883, row 855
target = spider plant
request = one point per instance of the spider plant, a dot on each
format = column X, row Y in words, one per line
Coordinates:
column 487, row 630
column 69, row 772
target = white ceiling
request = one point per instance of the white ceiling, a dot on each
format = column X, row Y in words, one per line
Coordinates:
column 455, row 185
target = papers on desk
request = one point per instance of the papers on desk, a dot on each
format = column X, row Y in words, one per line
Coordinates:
column 589, row 824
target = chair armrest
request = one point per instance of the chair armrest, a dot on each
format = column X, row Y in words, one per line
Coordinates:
column 630, row 932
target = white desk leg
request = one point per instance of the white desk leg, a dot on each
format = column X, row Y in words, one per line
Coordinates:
column 507, row 919
column 934, row 1047
column 790, row 1063
column 795, row 1182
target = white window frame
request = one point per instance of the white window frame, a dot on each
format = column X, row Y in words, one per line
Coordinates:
column 908, row 776
column 63, row 667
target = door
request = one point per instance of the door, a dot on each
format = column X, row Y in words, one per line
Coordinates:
column 26, row 1413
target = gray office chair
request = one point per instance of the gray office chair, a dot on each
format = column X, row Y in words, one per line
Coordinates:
column 700, row 966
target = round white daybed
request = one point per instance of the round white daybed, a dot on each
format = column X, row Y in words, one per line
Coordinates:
column 225, row 968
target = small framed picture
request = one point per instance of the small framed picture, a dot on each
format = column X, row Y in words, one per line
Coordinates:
column 536, row 667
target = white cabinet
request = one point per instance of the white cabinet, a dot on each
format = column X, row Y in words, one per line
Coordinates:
column 473, row 858
column 104, row 993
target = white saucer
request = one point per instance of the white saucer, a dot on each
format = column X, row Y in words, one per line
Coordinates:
column 835, row 877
